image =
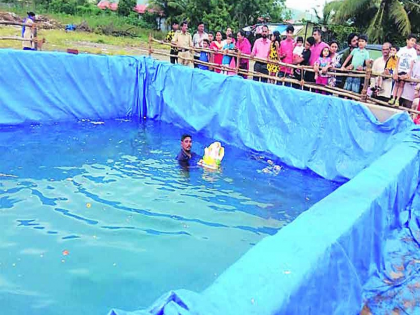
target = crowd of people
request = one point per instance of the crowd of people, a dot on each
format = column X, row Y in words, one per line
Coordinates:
column 314, row 52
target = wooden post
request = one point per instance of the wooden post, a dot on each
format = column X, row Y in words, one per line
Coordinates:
column 35, row 37
column 363, row 96
column 302, row 81
column 238, row 61
column 150, row 45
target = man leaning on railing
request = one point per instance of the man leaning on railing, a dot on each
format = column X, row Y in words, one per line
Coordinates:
column 183, row 41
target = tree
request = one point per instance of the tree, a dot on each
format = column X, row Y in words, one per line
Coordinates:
column 219, row 14
column 125, row 7
column 382, row 19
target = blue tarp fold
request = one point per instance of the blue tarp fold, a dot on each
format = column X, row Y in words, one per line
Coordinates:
column 41, row 87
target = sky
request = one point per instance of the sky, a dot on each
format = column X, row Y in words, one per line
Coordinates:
column 304, row 4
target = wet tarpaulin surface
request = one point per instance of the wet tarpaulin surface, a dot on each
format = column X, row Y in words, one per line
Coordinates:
column 397, row 288
column 320, row 263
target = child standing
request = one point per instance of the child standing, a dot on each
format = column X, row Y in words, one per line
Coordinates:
column 204, row 55
column 273, row 55
column 227, row 48
column 321, row 67
column 298, row 50
column 335, row 62
column 358, row 57
column 406, row 58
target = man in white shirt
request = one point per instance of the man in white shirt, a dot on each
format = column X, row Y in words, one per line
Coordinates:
column 384, row 94
column 198, row 39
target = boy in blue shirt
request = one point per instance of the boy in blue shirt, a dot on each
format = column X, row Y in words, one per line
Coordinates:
column 204, row 55
column 358, row 57
column 227, row 48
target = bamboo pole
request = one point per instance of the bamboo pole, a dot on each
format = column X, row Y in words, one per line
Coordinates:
column 13, row 23
column 238, row 61
column 35, row 36
column 366, row 84
column 16, row 38
column 150, row 44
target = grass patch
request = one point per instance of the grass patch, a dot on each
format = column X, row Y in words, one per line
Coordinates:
column 59, row 40
column 100, row 41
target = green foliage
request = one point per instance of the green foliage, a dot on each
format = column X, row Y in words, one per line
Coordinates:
column 381, row 20
column 219, row 14
column 125, row 7
column 341, row 32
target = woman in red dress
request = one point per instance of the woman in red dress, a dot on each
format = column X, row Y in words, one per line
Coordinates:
column 217, row 46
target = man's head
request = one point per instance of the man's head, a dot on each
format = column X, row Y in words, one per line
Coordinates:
column 363, row 41
column 211, row 37
column 186, row 142
column 353, row 40
column 175, row 25
column 264, row 31
column 31, row 15
column 317, row 35
column 184, row 27
column 411, row 40
column 228, row 31
column 289, row 31
column 310, row 41
column 386, row 48
column 200, row 27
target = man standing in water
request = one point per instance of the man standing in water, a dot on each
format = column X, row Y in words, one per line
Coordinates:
column 186, row 155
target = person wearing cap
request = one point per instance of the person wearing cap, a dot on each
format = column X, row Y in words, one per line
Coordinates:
column 27, row 32
column 184, row 42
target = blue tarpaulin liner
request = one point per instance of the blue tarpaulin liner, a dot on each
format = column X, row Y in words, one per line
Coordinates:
column 56, row 86
column 397, row 288
column 320, row 263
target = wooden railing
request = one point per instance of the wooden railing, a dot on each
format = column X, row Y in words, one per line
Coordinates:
column 37, row 41
column 311, row 86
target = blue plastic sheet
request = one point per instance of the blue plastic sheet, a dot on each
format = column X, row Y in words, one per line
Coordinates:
column 333, row 137
column 50, row 87
column 398, row 286
column 320, row 263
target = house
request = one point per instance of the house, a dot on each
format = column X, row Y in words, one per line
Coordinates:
column 141, row 8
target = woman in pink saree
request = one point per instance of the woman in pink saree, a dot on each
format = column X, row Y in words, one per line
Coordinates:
column 217, row 46
column 244, row 46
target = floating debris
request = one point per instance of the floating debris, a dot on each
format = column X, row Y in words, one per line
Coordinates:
column 66, row 252
column 7, row 175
